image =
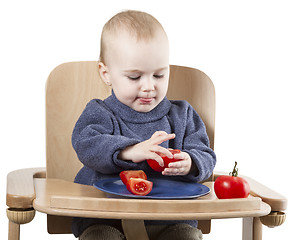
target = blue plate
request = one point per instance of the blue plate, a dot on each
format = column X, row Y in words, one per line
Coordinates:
column 162, row 189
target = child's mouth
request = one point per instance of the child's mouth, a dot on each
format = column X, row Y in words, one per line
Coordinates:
column 145, row 100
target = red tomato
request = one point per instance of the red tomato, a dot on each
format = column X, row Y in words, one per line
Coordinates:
column 231, row 186
column 155, row 165
column 139, row 186
column 126, row 175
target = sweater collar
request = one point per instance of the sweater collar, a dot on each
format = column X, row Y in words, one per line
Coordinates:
column 128, row 114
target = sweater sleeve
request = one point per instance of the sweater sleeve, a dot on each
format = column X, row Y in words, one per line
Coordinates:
column 97, row 140
column 196, row 144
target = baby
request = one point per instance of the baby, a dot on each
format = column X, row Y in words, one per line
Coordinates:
column 137, row 122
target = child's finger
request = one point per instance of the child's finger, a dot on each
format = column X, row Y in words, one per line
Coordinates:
column 181, row 155
column 158, row 149
column 178, row 164
column 164, row 138
column 174, row 171
column 159, row 133
column 156, row 157
column 159, row 137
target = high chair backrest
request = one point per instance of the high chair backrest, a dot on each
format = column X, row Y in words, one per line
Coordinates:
column 71, row 86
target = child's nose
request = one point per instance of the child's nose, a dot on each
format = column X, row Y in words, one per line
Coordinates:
column 147, row 85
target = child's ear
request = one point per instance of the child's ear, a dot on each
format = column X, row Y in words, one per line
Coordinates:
column 104, row 73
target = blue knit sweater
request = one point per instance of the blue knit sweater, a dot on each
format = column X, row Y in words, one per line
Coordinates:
column 106, row 127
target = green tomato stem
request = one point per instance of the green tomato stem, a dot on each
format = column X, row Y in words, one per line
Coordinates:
column 234, row 173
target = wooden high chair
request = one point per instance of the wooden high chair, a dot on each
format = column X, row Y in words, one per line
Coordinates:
column 51, row 190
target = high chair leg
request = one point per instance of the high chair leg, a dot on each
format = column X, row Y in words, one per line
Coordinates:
column 251, row 229
column 13, row 231
column 134, row 229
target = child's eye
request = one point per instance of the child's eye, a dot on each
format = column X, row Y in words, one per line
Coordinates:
column 158, row 76
column 134, row 77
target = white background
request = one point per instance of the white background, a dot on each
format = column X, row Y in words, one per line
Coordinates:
column 244, row 46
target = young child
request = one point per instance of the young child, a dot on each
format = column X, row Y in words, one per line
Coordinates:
column 137, row 122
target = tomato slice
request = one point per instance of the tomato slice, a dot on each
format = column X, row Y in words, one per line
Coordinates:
column 139, row 186
column 155, row 165
column 126, row 175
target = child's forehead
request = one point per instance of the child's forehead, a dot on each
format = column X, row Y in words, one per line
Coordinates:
column 129, row 53
column 125, row 44
column 128, row 41
column 125, row 40
column 138, row 36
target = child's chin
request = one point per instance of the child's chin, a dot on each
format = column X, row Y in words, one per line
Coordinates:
column 144, row 107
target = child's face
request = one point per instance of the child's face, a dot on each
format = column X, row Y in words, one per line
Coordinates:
column 138, row 70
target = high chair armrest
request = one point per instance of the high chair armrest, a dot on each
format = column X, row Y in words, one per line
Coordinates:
column 277, row 201
column 20, row 191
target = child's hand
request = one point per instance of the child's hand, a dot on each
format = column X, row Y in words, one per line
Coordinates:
column 148, row 149
column 182, row 167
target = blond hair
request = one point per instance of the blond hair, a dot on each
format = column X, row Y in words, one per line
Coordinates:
column 140, row 25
